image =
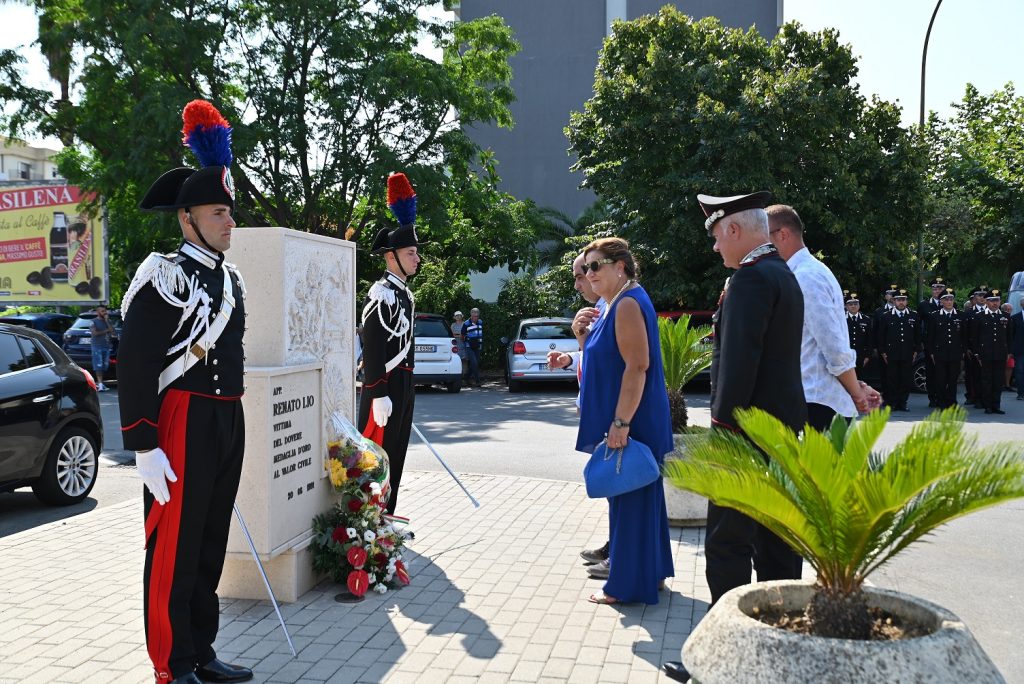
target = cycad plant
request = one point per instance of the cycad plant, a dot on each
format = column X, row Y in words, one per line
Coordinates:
column 844, row 507
column 684, row 353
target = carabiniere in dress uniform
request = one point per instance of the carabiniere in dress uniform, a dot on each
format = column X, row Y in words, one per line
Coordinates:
column 181, row 369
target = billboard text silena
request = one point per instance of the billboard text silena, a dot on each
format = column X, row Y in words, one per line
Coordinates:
column 51, row 246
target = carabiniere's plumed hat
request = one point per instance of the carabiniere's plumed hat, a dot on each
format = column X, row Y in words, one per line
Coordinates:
column 716, row 208
column 208, row 135
column 402, row 203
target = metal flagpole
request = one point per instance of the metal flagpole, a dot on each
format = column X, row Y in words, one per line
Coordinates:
column 266, row 582
column 438, row 456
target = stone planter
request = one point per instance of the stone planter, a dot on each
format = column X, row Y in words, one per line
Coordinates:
column 685, row 509
column 729, row 646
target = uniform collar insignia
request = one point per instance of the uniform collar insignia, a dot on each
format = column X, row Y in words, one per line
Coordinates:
column 200, row 254
column 758, row 252
column 401, row 284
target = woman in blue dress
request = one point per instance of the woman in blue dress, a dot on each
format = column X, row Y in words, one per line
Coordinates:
column 623, row 395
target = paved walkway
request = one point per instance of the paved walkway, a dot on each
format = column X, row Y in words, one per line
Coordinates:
column 498, row 594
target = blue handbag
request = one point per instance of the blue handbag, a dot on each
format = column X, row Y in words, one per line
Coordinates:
column 611, row 472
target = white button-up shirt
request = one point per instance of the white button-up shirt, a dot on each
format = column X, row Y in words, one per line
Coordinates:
column 825, row 345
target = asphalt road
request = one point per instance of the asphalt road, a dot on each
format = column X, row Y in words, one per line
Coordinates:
column 971, row 566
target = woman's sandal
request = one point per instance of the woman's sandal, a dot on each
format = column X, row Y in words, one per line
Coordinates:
column 603, row 600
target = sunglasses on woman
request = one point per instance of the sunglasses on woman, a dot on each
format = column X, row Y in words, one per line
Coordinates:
column 595, row 265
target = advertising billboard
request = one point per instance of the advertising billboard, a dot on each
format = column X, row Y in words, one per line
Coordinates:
column 52, row 250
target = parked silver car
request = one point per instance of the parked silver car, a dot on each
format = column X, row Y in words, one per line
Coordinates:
column 526, row 357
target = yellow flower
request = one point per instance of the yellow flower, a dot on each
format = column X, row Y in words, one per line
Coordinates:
column 367, row 461
column 337, row 473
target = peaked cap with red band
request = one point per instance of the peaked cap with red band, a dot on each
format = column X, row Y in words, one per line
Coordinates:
column 207, row 133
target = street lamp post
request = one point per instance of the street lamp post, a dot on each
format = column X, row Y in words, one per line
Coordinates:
column 924, row 64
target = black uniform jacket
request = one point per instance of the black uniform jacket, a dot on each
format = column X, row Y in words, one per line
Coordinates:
column 898, row 337
column 945, row 335
column 992, row 336
column 153, row 325
column 861, row 329
column 756, row 356
column 387, row 330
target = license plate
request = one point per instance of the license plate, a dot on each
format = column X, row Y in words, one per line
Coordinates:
column 426, row 348
column 85, row 340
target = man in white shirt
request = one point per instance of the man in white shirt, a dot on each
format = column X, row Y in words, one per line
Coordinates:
column 827, row 364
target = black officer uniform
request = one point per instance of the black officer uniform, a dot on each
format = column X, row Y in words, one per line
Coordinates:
column 762, row 303
column 924, row 308
column 181, row 383
column 992, row 337
column 861, row 330
column 972, row 369
column 887, row 306
column 388, row 351
column 898, row 338
column 944, row 342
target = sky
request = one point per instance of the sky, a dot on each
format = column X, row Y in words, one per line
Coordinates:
column 973, row 41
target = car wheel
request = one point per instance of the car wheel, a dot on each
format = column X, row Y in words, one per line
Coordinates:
column 515, row 385
column 70, row 470
column 454, row 387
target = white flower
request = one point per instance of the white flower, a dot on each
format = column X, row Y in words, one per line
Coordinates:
column 369, row 536
column 375, row 488
column 381, row 588
column 352, row 534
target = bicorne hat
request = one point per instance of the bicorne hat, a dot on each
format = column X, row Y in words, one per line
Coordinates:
column 208, row 135
column 716, row 208
column 402, row 203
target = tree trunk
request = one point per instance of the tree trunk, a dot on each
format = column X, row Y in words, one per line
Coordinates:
column 677, row 409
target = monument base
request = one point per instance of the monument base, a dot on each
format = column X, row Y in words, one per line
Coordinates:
column 290, row 574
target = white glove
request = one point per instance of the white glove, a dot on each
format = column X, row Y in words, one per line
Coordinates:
column 381, row 410
column 155, row 471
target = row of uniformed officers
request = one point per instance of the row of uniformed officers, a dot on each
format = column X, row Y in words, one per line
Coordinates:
column 976, row 339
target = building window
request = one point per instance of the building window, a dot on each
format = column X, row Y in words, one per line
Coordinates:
column 53, row 172
column 24, row 171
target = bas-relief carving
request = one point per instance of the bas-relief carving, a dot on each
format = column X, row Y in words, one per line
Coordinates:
column 317, row 315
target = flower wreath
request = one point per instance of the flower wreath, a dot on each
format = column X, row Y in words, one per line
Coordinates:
column 354, row 541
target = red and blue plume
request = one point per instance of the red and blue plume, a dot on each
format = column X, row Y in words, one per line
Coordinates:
column 207, row 134
column 401, row 199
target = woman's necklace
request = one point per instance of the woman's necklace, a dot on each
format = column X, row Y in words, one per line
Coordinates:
column 629, row 283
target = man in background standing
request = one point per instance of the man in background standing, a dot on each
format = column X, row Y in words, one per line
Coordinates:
column 991, row 341
column 101, row 333
column 898, row 339
column 828, row 366
column 925, row 308
column 473, row 336
column 860, row 329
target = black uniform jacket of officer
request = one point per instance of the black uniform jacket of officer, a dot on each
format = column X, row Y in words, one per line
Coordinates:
column 756, row 356
column 861, row 331
column 379, row 344
column 153, row 325
column 992, row 336
column 945, row 335
column 898, row 337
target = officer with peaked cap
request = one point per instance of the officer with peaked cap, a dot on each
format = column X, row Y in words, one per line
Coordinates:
column 991, row 340
column 924, row 308
column 945, row 343
column 887, row 305
column 755, row 363
column 860, row 328
column 388, row 395
column 898, row 339
column 974, row 306
column 180, row 367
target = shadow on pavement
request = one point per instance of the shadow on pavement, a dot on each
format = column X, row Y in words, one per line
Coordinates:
column 20, row 510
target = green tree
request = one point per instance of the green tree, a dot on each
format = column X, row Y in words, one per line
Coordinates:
column 976, row 233
column 843, row 506
column 682, row 107
column 326, row 98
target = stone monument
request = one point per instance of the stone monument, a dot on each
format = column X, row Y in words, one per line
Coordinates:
column 300, row 368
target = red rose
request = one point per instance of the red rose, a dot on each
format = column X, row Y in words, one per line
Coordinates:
column 339, row 535
column 354, row 473
column 356, row 557
column 366, row 487
column 354, row 505
column 386, row 542
column 358, row 582
column 334, row 452
column 401, row 573
column 380, row 558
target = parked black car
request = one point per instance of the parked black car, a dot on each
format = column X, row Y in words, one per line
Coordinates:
column 77, row 342
column 51, row 431
column 53, row 324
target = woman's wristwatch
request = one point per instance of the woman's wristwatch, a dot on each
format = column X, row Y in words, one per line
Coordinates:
column 619, row 423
